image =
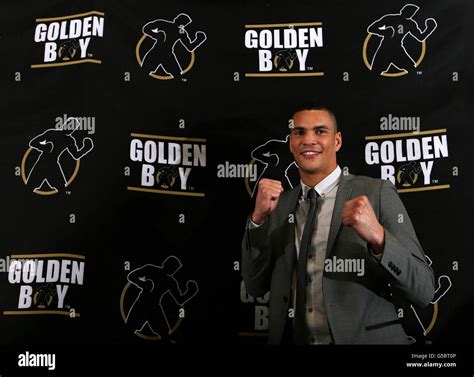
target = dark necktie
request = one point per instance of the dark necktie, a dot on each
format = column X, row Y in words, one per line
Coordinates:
column 300, row 335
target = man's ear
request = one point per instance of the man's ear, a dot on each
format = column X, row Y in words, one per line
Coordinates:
column 338, row 141
column 289, row 143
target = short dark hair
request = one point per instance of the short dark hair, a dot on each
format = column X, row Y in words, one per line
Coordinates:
column 316, row 105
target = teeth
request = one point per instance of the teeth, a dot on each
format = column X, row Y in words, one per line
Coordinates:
column 311, row 153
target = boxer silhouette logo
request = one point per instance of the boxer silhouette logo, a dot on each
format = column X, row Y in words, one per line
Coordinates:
column 426, row 318
column 68, row 49
column 165, row 46
column 284, row 59
column 44, row 296
column 166, row 176
column 396, row 43
column 274, row 162
column 158, row 299
column 408, row 174
column 46, row 176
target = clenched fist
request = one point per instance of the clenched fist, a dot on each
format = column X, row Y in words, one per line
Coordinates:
column 359, row 215
column 191, row 287
column 430, row 24
column 200, row 37
column 87, row 144
column 269, row 191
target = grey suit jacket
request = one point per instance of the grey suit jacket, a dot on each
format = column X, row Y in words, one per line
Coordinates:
column 359, row 308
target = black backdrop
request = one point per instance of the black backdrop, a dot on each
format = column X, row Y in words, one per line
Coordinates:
column 114, row 229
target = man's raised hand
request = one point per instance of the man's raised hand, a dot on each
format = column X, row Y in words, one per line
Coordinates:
column 359, row 215
column 269, row 191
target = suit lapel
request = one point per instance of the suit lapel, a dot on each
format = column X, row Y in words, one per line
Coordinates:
column 346, row 184
column 289, row 230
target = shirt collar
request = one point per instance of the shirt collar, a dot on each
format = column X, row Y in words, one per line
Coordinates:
column 326, row 185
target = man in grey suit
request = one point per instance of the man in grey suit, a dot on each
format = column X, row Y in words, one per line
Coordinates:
column 361, row 253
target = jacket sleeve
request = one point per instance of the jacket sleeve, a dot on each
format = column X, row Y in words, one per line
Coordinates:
column 257, row 259
column 403, row 257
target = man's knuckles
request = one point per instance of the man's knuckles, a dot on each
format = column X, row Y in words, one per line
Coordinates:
column 270, row 193
column 356, row 203
column 269, row 182
column 352, row 217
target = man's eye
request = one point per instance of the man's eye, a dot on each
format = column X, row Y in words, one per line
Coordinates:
column 320, row 132
column 297, row 132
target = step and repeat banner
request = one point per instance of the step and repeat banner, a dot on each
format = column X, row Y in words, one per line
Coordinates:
column 135, row 134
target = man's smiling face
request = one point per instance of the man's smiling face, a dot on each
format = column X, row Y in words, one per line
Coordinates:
column 314, row 143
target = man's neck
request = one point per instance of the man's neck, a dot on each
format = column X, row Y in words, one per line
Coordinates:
column 312, row 180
